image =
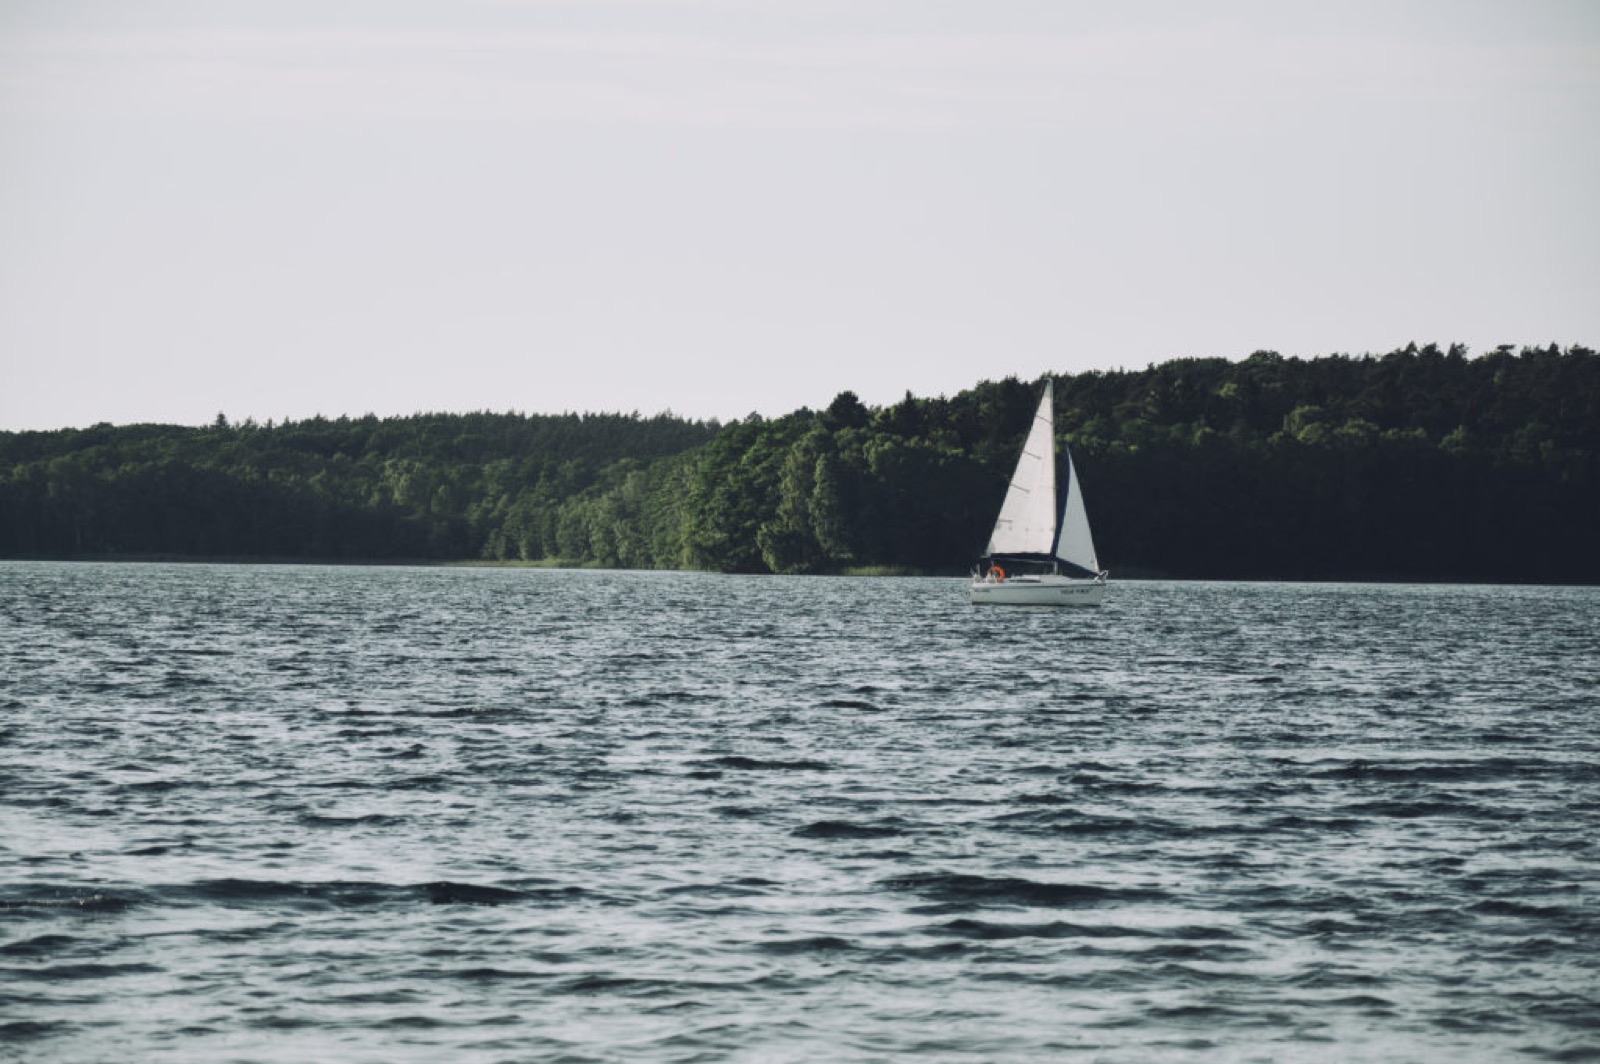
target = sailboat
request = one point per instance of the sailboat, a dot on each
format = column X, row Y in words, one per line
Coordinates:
column 1039, row 555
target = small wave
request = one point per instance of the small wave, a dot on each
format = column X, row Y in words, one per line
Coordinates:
column 62, row 973
column 178, row 681
column 757, row 764
column 492, row 975
column 655, row 697
column 1027, row 770
column 345, row 894
column 1044, row 798
column 1092, row 781
column 86, row 903
column 412, row 1023
column 1408, row 810
column 28, row 1030
column 154, row 786
column 915, row 954
column 623, row 986
column 1327, row 927
column 966, row 927
column 1009, row 890
column 446, row 893
column 335, row 894
column 38, row 946
column 323, row 820
column 418, row 783
column 1500, row 907
column 851, row 703
column 1057, row 821
column 247, row 933
column 1477, row 1022
column 455, row 712
column 743, row 887
column 843, row 829
column 1486, row 769
column 813, row 944
column 1359, row 1001
column 1287, row 899
column 1200, row 1015
column 279, row 1022
column 1334, row 977
column 1296, row 822
column 1206, row 952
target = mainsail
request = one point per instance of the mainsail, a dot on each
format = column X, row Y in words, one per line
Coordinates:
column 1027, row 522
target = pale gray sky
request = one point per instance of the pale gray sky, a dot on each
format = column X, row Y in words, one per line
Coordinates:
column 279, row 208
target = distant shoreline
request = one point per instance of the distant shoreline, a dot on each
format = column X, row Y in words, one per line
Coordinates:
column 1130, row 575
column 1419, row 465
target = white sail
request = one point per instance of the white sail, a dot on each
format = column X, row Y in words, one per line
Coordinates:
column 1027, row 523
column 1077, row 545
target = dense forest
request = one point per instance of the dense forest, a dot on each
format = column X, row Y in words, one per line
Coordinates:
column 1419, row 464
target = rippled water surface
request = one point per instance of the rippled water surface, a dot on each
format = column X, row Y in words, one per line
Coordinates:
column 346, row 814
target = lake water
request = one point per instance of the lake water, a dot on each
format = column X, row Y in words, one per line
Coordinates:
column 289, row 814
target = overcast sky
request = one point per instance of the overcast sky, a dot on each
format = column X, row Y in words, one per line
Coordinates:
column 277, row 208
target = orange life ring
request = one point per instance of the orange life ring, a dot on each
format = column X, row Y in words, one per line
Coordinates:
column 998, row 573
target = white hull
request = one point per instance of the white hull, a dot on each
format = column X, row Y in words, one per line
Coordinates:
column 1037, row 591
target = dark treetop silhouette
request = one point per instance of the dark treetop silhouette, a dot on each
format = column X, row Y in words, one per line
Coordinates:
column 1419, row 464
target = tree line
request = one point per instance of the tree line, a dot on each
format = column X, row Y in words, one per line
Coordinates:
column 1418, row 464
